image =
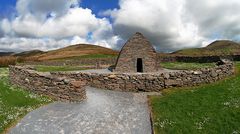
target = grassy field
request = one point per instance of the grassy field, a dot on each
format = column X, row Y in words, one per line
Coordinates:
column 15, row 102
column 186, row 66
column 58, row 68
column 212, row 109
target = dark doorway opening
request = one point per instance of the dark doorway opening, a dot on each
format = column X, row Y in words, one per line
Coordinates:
column 139, row 65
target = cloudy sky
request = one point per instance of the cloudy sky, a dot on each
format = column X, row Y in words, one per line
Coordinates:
column 169, row 24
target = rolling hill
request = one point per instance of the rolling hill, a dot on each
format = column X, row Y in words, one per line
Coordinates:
column 74, row 51
column 220, row 47
column 6, row 53
column 29, row 53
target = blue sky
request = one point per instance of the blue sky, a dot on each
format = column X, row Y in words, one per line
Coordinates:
column 99, row 5
column 8, row 6
column 5, row 4
column 169, row 24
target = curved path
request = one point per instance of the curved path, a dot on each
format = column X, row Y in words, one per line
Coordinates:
column 104, row 112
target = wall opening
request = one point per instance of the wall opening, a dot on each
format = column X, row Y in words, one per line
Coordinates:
column 139, row 65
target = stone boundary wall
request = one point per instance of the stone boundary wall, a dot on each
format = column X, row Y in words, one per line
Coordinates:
column 99, row 63
column 151, row 82
column 77, row 62
column 58, row 88
column 199, row 59
column 188, row 59
column 61, row 84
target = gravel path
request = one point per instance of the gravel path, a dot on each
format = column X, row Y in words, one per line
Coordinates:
column 104, row 112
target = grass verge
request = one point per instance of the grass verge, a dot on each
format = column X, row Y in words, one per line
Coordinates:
column 15, row 102
column 186, row 66
column 212, row 108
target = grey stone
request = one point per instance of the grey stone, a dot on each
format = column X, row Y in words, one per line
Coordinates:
column 170, row 82
column 166, row 76
column 213, row 73
column 138, row 47
column 105, row 112
column 197, row 72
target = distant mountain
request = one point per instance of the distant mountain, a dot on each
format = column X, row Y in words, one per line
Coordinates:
column 6, row 53
column 220, row 47
column 29, row 53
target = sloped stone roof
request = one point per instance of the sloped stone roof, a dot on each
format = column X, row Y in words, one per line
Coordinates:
column 137, row 47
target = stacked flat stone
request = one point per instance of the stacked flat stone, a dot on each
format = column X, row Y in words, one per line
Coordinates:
column 137, row 47
column 57, row 88
column 71, row 85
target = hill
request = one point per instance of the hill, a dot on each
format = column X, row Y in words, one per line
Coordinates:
column 29, row 53
column 6, row 53
column 75, row 51
column 220, row 47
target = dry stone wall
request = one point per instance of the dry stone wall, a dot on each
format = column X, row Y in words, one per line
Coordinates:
column 197, row 59
column 58, row 88
column 67, row 85
column 151, row 82
column 79, row 62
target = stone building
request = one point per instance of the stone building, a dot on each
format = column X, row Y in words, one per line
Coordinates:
column 137, row 55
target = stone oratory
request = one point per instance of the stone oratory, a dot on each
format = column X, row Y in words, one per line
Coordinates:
column 137, row 56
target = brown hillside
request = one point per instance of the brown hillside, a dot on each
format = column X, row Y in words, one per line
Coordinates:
column 75, row 51
column 223, row 44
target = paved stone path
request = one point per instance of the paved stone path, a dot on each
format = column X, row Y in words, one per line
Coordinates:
column 104, row 112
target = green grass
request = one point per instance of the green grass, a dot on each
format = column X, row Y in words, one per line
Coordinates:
column 41, row 68
column 15, row 102
column 207, row 109
column 186, row 66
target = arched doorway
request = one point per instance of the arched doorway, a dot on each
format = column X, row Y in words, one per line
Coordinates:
column 139, row 65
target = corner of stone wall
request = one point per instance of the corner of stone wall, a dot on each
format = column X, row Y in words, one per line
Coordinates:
column 58, row 88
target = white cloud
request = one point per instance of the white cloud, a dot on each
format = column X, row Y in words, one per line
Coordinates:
column 76, row 21
column 77, row 39
column 1, row 31
column 56, row 20
column 175, row 24
column 25, row 44
column 5, row 26
column 15, row 44
column 215, row 18
column 42, row 7
column 169, row 24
